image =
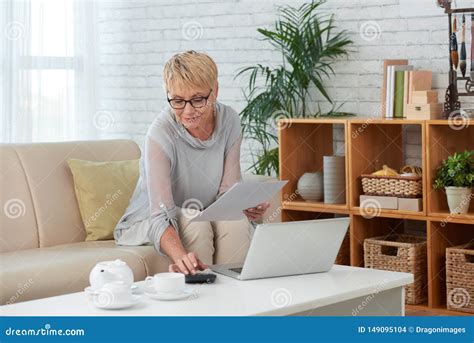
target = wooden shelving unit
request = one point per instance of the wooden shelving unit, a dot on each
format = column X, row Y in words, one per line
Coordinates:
column 370, row 143
column 373, row 144
column 306, row 142
column 441, row 236
column 443, row 139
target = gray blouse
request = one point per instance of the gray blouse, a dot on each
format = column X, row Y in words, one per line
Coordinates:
column 179, row 170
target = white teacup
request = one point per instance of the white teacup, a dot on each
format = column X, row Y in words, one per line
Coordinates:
column 113, row 293
column 166, row 282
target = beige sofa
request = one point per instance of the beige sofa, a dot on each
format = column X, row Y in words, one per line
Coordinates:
column 42, row 247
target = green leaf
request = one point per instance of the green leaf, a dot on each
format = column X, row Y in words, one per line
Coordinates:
column 457, row 170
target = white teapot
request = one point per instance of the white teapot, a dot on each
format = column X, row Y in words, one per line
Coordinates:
column 110, row 271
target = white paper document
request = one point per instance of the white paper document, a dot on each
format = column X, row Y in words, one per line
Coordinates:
column 240, row 196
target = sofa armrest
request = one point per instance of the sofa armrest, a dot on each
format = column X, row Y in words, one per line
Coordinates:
column 273, row 213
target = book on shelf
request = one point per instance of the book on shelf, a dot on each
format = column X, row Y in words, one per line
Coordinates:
column 400, row 80
column 385, row 92
column 401, row 73
column 405, row 93
column 396, row 90
column 399, row 87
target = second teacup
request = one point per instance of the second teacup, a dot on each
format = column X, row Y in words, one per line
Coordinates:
column 166, row 282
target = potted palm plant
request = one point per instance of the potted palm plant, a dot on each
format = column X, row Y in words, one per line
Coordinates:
column 305, row 38
column 456, row 176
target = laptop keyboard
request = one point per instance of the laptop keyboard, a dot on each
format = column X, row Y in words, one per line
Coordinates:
column 237, row 270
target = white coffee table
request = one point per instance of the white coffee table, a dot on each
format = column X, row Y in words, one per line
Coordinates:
column 342, row 291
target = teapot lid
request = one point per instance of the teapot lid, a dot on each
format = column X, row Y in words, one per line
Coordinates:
column 118, row 262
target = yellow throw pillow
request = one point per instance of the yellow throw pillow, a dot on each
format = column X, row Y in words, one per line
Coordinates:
column 103, row 191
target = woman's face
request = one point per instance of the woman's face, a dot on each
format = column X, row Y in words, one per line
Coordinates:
column 197, row 116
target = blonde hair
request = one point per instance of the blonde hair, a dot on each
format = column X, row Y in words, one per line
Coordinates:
column 190, row 68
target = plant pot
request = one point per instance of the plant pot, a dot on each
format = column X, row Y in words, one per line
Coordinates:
column 459, row 199
column 310, row 186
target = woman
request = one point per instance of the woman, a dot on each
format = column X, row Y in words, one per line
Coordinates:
column 192, row 156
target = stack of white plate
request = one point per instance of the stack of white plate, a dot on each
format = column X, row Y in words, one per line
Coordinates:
column 334, row 172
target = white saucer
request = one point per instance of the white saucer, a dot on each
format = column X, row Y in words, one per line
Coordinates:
column 90, row 290
column 169, row 296
column 135, row 300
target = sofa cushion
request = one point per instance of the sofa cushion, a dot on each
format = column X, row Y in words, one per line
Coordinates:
column 51, row 186
column 153, row 262
column 17, row 214
column 44, row 272
column 103, row 191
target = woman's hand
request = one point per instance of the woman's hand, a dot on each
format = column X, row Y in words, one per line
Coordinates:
column 187, row 263
column 256, row 213
column 183, row 262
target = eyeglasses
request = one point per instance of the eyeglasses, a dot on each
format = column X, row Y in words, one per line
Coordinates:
column 196, row 102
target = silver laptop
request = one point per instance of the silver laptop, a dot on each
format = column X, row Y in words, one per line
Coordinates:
column 289, row 248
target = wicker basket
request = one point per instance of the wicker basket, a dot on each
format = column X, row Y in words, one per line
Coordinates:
column 400, row 253
column 344, row 257
column 460, row 278
column 398, row 186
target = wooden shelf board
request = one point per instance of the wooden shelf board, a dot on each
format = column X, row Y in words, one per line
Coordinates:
column 324, row 120
column 356, row 210
column 421, row 307
column 452, row 218
column 439, row 122
column 315, row 206
column 443, row 310
column 438, row 310
column 364, row 119
column 379, row 120
column 358, row 119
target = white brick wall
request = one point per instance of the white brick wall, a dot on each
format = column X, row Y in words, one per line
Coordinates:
column 137, row 37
